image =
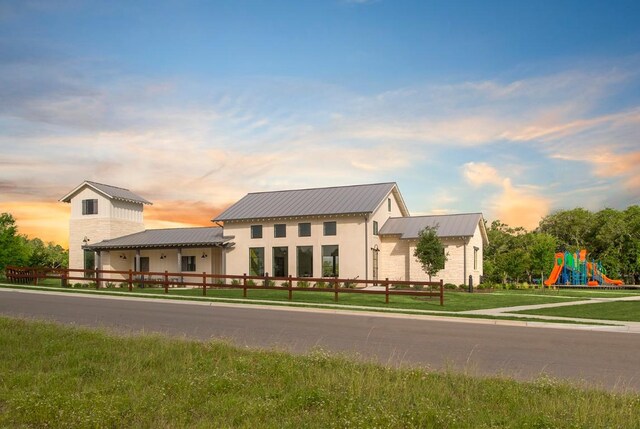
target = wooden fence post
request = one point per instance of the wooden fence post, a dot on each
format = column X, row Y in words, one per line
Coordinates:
column 335, row 288
column 97, row 279
column 130, row 280
column 204, row 283
column 290, row 288
column 244, row 283
column 441, row 292
column 35, row 277
column 386, row 290
column 166, row 281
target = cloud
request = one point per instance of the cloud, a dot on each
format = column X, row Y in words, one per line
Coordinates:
column 481, row 173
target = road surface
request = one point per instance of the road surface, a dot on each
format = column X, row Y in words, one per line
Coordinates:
column 602, row 359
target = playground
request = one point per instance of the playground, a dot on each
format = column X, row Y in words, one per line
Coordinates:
column 576, row 269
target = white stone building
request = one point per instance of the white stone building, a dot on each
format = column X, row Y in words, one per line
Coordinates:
column 357, row 232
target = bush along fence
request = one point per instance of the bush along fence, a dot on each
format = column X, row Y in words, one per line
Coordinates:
column 129, row 279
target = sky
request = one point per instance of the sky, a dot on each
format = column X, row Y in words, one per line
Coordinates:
column 510, row 108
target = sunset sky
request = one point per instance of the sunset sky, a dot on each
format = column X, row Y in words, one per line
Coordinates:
column 511, row 108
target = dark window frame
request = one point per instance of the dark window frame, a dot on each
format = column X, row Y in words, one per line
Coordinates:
column 335, row 261
column 274, row 251
column 327, row 224
column 282, row 226
column 90, row 206
column 299, row 274
column 188, row 264
column 260, row 269
column 375, row 227
column 256, row 231
column 302, row 225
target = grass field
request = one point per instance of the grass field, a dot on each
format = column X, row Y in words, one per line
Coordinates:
column 454, row 301
column 620, row 310
column 54, row 376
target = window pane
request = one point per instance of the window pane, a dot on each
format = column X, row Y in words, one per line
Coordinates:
column 256, row 261
column 279, row 230
column 330, row 261
column 188, row 263
column 304, row 230
column 280, row 262
column 329, row 228
column 89, row 262
column 389, row 204
column 305, row 261
column 256, row 231
column 89, row 207
column 375, row 227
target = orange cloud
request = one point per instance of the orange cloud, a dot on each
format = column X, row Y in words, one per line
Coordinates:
column 48, row 221
column 177, row 213
column 518, row 206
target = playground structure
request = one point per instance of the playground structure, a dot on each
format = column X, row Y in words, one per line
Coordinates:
column 576, row 269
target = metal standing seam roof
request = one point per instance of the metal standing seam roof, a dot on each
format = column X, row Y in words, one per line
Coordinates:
column 454, row 225
column 309, row 202
column 111, row 191
column 163, row 238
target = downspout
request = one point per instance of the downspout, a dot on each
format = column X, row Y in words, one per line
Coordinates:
column 366, row 247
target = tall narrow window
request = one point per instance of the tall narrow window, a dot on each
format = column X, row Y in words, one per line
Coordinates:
column 89, row 207
column 256, row 261
column 329, row 228
column 304, row 229
column 475, row 257
column 305, row 261
column 389, row 204
column 375, row 227
column 330, row 261
column 188, row 263
column 280, row 230
column 280, row 262
column 89, row 263
column 256, row 231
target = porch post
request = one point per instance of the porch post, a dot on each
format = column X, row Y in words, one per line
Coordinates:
column 136, row 265
column 223, row 268
column 179, row 262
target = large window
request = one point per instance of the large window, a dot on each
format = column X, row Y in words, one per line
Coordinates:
column 389, row 205
column 329, row 228
column 256, row 231
column 279, row 230
column 305, row 261
column 304, row 229
column 375, row 227
column 89, row 207
column 256, row 261
column 330, row 261
column 280, row 261
column 188, row 263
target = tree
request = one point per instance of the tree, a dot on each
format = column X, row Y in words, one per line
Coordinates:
column 430, row 251
column 572, row 228
column 12, row 248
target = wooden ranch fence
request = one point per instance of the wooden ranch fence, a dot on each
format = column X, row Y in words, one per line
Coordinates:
column 30, row 275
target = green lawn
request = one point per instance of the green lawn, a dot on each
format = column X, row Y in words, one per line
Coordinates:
column 454, row 301
column 54, row 376
column 620, row 310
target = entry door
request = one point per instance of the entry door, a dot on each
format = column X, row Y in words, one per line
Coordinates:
column 375, row 267
column 144, row 264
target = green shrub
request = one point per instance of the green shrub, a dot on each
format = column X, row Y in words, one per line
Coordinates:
column 303, row 284
column 235, row 282
column 284, row 284
column 250, row 282
column 349, row 285
column 321, row 285
column 269, row 283
column 110, row 285
column 401, row 286
column 418, row 287
column 450, row 286
column 220, row 282
column 123, row 285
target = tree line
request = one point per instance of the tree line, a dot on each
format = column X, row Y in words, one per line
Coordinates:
column 611, row 236
column 20, row 250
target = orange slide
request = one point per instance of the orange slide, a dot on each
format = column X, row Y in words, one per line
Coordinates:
column 553, row 277
column 611, row 282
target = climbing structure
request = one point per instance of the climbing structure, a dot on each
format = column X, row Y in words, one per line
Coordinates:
column 576, row 269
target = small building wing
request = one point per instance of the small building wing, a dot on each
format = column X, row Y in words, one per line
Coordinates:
column 166, row 238
column 454, row 225
column 112, row 192
column 339, row 200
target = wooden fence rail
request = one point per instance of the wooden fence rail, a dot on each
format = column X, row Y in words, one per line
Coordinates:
column 165, row 279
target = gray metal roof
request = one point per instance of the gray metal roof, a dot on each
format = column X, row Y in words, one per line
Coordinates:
column 108, row 190
column 453, row 225
column 310, row 202
column 165, row 238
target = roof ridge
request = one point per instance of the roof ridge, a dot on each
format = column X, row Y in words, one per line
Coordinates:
column 322, row 187
column 105, row 184
column 186, row 227
column 434, row 215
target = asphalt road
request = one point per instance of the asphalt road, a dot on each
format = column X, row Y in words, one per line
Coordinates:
column 603, row 359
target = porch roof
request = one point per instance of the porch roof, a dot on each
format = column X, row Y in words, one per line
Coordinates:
column 451, row 225
column 166, row 238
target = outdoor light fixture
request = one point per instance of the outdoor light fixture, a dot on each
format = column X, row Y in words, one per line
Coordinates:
column 204, row 255
column 123, row 256
column 163, row 256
